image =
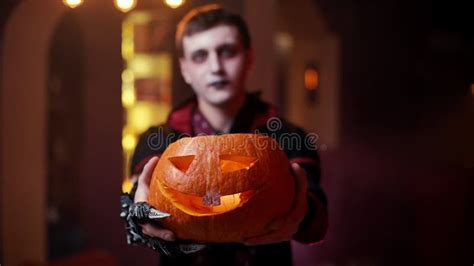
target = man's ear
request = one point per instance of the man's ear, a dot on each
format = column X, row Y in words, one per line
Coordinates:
column 184, row 69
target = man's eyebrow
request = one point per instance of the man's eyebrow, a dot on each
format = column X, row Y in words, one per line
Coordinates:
column 198, row 51
column 201, row 51
column 226, row 45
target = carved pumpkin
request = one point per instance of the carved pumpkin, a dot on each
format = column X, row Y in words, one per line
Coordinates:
column 222, row 188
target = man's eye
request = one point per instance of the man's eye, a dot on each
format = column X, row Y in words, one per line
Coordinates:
column 199, row 57
column 228, row 52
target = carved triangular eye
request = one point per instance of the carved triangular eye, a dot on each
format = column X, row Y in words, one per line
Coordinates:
column 230, row 163
column 182, row 162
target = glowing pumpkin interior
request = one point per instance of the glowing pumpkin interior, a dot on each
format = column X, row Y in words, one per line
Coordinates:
column 212, row 203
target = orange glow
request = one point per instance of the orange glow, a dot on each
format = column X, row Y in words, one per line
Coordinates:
column 73, row 3
column 194, row 205
column 472, row 89
column 311, row 79
column 125, row 5
column 230, row 163
column 182, row 162
column 174, row 3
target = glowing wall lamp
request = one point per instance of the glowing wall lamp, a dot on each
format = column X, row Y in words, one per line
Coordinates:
column 311, row 78
column 125, row 5
column 311, row 81
column 73, row 3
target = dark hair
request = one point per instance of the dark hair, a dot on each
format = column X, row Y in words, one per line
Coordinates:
column 206, row 17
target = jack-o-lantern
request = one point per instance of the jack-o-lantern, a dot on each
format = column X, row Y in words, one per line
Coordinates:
column 222, row 188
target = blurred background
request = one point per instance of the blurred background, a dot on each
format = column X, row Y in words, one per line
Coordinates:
column 388, row 86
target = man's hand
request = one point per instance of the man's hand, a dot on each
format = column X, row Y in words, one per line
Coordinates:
column 283, row 228
column 142, row 220
column 141, row 195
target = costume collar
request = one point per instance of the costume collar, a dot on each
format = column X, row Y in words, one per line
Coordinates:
column 251, row 117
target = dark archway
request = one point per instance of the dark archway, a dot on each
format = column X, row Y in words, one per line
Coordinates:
column 65, row 137
column 25, row 43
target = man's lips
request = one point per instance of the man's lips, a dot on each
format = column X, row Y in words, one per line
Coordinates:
column 219, row 84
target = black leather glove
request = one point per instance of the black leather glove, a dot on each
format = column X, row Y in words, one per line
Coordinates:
column 142, row 212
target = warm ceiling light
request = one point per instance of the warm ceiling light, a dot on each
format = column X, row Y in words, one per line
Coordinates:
column 174, row 3
column 125, row 5
column 73, row 3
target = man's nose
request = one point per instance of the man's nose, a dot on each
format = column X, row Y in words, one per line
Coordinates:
column 215, row 63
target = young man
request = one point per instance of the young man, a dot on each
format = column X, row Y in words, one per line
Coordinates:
column 215, row 57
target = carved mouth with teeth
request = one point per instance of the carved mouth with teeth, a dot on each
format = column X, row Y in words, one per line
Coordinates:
column 212, row 202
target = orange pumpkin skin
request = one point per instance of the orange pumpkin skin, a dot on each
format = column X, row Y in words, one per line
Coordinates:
column 198, row 180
